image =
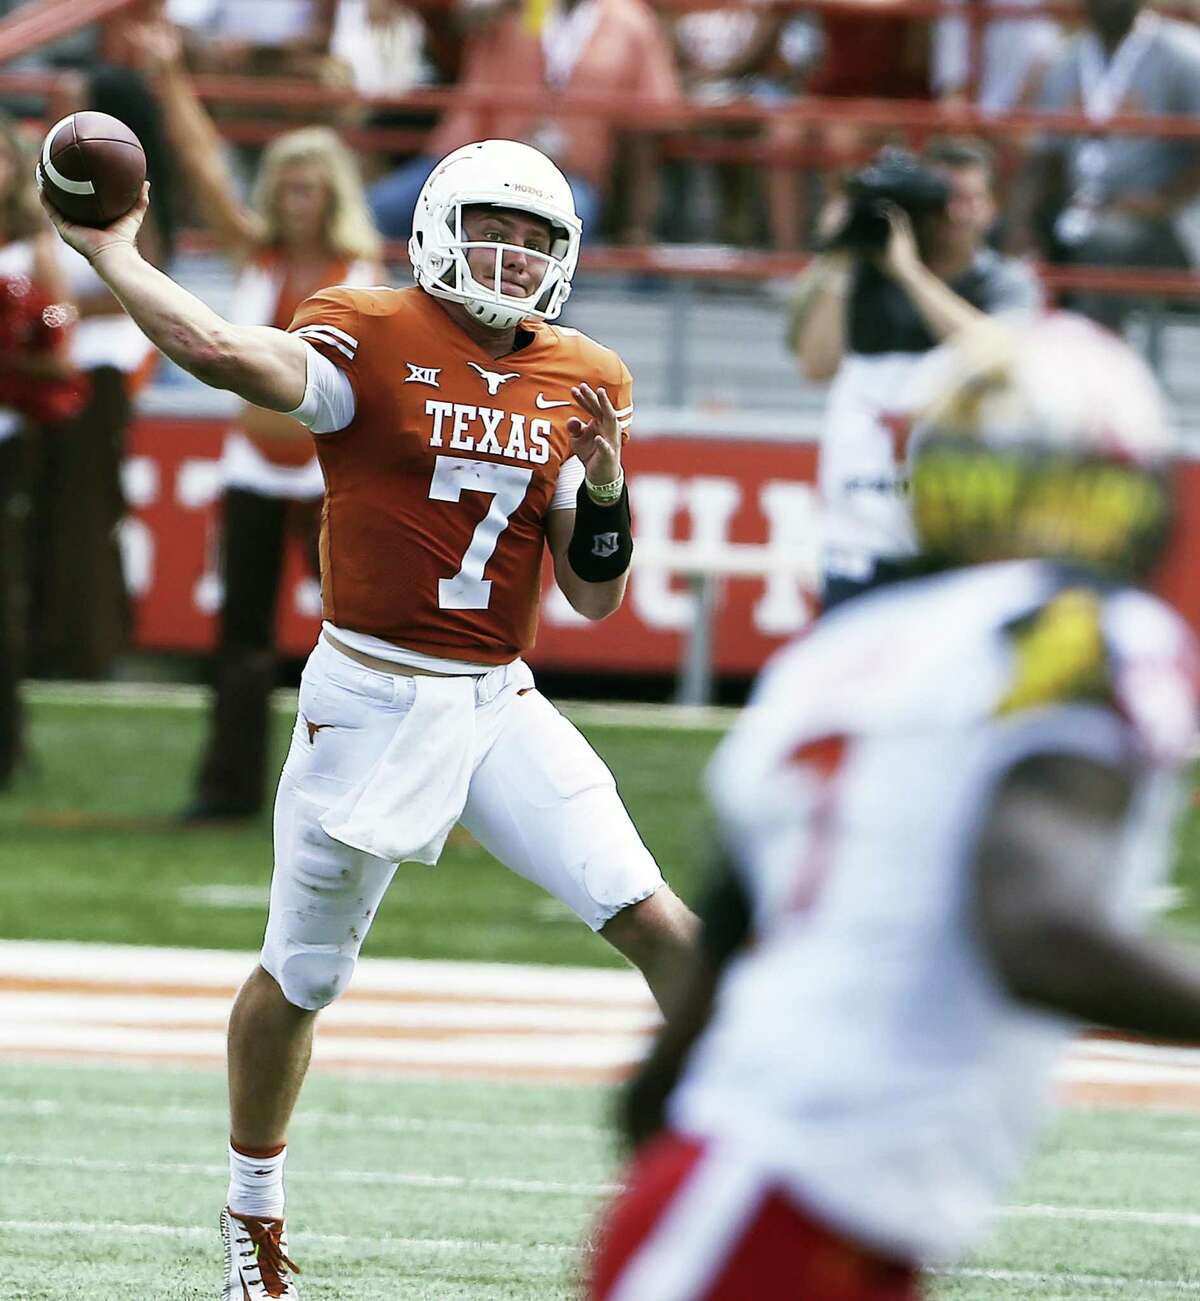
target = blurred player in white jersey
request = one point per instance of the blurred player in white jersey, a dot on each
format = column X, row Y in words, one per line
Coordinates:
column 942, row 812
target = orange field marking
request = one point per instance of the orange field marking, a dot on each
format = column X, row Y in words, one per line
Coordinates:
column 478, row 1073
column 429, row 1020
column 1134, row 1097
column 166, row 989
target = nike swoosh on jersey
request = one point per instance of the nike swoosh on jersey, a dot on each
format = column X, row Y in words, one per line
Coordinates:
column 544, row 403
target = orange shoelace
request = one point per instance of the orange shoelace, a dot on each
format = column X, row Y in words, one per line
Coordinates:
column 272, row 1260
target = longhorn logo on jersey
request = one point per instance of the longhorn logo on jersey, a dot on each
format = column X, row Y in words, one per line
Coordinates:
column 493, row 379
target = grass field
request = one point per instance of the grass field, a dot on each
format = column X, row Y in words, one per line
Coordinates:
column 89, row 849
column 437, row 1189
column 96, row 818
column 110, row 1182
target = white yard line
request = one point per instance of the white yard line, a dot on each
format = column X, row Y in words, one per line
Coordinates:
column 364, row 1245
column 1103, row 1215
column 137, row 695
column 1118, row 1281
column 1082, row 1068
column 77, row 1008
column 313, row 1120
column 305, row 1119
column 139, row 966
column 198, row 1233
column 390, row 1178
column 1106, row 1155
column 553, row 1055
column 539, row 1187
column 481, row 1040
column 146, row 695
column 1124, row 1050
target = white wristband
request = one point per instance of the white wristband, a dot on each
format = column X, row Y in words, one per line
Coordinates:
column 604, row 494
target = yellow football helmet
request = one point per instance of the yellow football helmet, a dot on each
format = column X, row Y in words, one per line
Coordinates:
column 1046, row 441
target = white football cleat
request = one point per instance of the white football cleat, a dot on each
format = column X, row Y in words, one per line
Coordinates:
column 256, row 1260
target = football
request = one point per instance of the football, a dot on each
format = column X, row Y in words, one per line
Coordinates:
column 91, row 168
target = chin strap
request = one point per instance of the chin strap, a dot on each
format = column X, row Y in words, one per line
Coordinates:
column 494, row 316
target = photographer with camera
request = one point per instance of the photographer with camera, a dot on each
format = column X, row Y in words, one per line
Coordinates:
column 905, row 266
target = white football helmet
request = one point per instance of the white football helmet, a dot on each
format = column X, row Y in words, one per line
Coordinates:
column 1045, row 440
column 500, row 174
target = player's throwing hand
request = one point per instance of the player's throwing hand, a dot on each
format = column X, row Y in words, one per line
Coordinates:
column 91, row 241
column 597, row 441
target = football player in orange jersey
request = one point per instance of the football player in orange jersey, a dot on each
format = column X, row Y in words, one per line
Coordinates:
column 459, row 434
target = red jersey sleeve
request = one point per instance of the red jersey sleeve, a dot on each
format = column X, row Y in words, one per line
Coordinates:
column 331, row 321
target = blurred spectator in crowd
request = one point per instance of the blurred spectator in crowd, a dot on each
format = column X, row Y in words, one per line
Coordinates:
column 33, row 368
column 82, row 614
column 757, row 54
column 586, row 48
column 868, row 54
column 1015, row 54
column 873, row 54
column 308, row 227
column 382, row 45
column 865, row 316
column 279, row 37
column 1106, row 199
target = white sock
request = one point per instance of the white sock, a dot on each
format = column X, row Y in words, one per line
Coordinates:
column 256, row 1184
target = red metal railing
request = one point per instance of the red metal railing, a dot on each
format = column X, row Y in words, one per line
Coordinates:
column 44, row 21
column 725, row 263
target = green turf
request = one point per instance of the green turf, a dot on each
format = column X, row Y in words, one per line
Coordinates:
column 89, row 851
column 440, row 1191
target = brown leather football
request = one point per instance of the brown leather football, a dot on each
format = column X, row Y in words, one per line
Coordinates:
column 91, row 168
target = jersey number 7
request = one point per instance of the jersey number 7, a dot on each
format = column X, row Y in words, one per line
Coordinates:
column 452, row 476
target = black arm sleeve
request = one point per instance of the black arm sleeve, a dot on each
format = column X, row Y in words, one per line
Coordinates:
column 601, row 544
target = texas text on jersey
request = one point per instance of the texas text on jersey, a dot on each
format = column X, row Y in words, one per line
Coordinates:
column 438, row 488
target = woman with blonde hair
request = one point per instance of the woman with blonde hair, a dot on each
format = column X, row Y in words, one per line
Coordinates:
column 307, row 227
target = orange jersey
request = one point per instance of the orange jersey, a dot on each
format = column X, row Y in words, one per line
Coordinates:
column 436, row 493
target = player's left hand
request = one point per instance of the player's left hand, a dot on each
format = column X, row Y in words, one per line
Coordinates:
column 597, row 440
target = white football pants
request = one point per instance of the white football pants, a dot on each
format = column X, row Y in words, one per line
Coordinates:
column 538, row 798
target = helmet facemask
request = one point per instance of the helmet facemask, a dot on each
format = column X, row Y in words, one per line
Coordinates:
column 485, row 299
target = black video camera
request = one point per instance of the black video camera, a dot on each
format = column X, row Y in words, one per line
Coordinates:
column 894, row 176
